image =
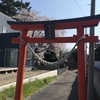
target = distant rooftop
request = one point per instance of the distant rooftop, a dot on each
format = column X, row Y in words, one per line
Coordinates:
column 4, row 27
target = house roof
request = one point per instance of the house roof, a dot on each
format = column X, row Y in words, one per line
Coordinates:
column 3, row 22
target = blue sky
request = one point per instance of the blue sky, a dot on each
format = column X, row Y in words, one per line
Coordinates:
column 65, row 9
column 62, row 9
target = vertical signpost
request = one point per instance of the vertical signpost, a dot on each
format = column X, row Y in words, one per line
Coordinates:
column 49, row 31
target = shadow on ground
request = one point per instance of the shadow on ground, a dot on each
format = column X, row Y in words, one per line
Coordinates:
column 74, row 92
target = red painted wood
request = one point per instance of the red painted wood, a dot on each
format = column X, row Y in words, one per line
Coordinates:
column 59, row 25
column 82, row 89
column 21, row 68
column 57, row 39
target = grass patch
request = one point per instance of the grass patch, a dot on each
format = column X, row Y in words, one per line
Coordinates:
column 28, row 89
column 7, row 94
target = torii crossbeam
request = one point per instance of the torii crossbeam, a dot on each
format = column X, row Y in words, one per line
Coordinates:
column 77, row 23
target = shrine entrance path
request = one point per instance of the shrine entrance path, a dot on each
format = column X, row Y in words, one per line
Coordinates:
column 64, row 88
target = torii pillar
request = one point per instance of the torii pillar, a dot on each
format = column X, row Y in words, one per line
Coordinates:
column 21, row 67
column 77, row 23
column 81, row 67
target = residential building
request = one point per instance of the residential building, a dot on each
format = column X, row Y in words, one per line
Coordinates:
column 9, row 51
column 4, row 27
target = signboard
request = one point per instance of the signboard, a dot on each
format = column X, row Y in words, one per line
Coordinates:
column 49, row 31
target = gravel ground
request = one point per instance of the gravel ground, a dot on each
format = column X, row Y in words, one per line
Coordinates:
column 11, row 77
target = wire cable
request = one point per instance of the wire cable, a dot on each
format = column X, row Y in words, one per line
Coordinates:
column 79, row 8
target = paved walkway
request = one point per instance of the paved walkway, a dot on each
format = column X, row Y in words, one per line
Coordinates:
column 65, row 88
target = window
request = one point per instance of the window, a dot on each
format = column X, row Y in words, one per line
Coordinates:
column 11, row 56
column 4, row 30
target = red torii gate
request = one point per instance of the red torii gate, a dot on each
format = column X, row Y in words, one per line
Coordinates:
column 77, row 23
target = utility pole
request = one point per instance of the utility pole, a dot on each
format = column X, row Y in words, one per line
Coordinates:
column 90, row 85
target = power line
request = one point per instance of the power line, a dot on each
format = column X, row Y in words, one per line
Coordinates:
column 79, row 7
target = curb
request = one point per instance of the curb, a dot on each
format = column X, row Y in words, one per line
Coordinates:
column 31, row 79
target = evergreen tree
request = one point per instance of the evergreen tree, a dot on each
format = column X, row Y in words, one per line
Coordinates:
column 12, row 7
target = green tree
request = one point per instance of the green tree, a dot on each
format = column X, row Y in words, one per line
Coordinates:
column 12, row 7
